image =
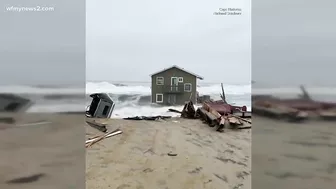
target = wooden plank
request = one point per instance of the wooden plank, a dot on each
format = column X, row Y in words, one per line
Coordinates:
column 208, row 114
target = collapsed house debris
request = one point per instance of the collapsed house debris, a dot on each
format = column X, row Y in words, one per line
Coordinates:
column 101, row 106
column 148, row 118
column 219, row 114
column 188, row 110
column 295, row 109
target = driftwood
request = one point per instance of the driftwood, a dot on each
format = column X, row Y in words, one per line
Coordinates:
column 147, row 118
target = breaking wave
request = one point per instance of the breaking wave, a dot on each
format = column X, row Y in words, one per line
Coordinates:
column 135, row 99
column 130, row 99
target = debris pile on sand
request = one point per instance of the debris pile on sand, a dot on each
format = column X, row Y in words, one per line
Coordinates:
column 219, row 114
column 295, row 109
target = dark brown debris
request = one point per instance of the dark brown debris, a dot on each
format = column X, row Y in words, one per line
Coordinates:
column 223, row 177
column 28, row 179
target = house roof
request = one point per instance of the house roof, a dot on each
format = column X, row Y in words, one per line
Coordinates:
column 174, row 66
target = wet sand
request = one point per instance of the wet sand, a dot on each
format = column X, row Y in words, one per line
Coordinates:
column 138, row 157
column 46, row 155
column 300, row 156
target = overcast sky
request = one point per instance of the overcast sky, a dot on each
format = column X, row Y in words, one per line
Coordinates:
column 128, row 40
column 42, row 47
column 294, row 42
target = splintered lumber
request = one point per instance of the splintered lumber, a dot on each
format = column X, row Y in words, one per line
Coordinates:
column 105, row 136
column 248, row 121
column 305, row 94
column 188, row 110
column 223, row 94
column 208, row 117
column 94, row 140
column 234, row 121
column 243, row 114
column 218, row 108
column 222, row 122
column 327, row 115
column 279, row 111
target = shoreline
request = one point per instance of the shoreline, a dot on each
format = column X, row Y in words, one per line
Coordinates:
column 138, row 158
column 284, row 154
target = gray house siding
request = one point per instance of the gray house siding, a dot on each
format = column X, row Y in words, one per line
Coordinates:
column 181, row 97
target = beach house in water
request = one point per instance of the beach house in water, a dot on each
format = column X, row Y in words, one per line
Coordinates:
column 174, row 86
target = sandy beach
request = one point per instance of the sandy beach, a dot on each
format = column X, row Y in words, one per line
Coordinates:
column 285, row 155
column 138, row 158
column 43, row 151
column 300, row 156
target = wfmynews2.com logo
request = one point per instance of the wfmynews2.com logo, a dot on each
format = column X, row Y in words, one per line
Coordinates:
column 28, row 9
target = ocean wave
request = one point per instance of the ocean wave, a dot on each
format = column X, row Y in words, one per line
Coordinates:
column 106, row 87
column 52, row 92
column 130, row 100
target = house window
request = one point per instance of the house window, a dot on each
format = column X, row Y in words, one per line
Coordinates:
column 105, row 110
column 187, row 87
column 159, row 98
column 180, row 79
column 159, row 81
